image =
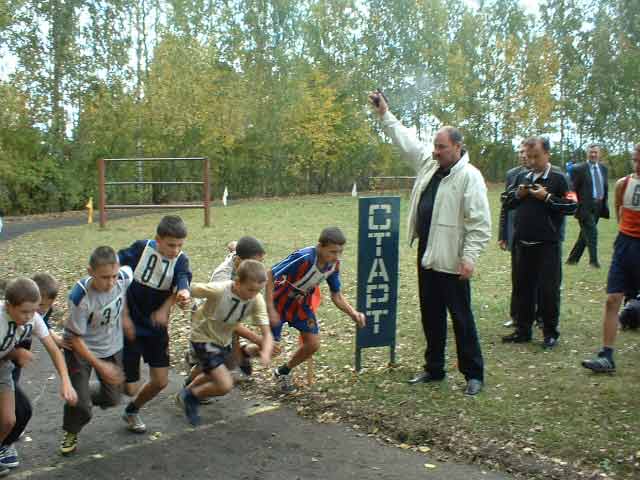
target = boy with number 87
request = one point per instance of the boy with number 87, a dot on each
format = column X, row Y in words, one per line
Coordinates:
column 161, row 275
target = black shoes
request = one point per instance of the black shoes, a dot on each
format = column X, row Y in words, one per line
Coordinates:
column 474, row 387
column 550, row 342
column 515, row 337
column 424, row 377
column 594, row 264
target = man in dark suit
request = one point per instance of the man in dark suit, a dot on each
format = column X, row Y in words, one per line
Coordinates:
column 505, row 228
column 590, row 182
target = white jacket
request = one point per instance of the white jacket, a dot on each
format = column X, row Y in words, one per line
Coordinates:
column 461, row 222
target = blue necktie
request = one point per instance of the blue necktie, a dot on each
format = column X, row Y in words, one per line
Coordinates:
column 597, row 182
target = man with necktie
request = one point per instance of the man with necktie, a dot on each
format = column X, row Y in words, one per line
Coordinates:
column 590, row 182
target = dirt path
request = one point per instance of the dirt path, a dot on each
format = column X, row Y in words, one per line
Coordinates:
column 16, row 226
column 236, row 441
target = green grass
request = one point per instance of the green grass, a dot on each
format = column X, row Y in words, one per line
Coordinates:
column 539, row 410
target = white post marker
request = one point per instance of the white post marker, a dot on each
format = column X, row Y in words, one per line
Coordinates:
column 354, row 190
column 224, row 196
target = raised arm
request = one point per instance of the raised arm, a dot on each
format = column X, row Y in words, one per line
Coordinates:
column 412, row 150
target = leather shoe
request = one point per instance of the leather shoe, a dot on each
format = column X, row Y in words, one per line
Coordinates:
column 594, row 264
column 474, row 386
column 572, row 262
column 550, row 342
column 515, row 337
column 424, row 377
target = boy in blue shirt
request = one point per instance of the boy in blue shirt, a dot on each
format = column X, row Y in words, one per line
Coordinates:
column 294, row 287
column 161, row 274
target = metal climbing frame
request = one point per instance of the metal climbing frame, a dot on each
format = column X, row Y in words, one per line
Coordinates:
column 102, row 184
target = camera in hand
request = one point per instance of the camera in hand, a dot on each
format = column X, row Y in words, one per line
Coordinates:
column 376, row 100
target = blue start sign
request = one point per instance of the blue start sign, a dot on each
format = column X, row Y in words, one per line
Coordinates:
column 378, row 237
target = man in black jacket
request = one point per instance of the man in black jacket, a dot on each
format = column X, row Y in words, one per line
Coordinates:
column 590, row 182
column 539, row 199
column 505, row 227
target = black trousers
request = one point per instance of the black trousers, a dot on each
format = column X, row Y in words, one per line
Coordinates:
column 23, row 415
column 513, row 304
column 588, row 237
column 441, row 292
column 537, row 281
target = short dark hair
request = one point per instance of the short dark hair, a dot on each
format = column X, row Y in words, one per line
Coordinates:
column 543, row 141
column 332, row 236
column 249, row 247
column 103, row 255
column 251, row 270
column 47, row 285
column 22, row 290
column 172, row 226
column 455, row 135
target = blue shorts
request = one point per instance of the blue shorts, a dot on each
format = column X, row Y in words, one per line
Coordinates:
column 624, row 273
column 310, row 325
column 209, row 355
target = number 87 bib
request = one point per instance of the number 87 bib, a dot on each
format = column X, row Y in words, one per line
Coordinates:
column 154, row 270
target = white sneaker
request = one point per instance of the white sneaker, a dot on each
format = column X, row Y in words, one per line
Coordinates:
column 9, row 457
column 134, row 422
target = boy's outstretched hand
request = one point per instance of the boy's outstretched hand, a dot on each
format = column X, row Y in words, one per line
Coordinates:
column 183, row 298
column 360, row 319
column 68, row 393
column 110, row 373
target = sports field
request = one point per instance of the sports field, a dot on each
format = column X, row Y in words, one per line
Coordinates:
column 540, row 411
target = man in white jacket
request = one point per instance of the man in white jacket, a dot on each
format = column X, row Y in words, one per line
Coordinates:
column 449, row 215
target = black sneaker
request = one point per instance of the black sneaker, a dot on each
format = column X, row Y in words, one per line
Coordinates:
column 600, row 364
column 189, row 404
column 246, row 367
column 550, row 342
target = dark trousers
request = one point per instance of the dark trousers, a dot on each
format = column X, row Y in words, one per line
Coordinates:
column 76, row 417
column 537, row 281
column 440, row 292
column 513, row 305
column 513, row 311
column 23, row 415
column 588, row 237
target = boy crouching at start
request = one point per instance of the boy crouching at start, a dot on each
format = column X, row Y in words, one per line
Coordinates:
column 227, row 304
column 94, row 340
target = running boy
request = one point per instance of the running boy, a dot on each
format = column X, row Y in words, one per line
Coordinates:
column 48, row 287
column 93, row 333
column 19, row 320
column 243, row 349
column 227, row 304
column 294, row 283
column 624, row 272
column 160, row 271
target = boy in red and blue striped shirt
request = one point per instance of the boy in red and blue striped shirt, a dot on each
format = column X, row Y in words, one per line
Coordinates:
column 295, row 285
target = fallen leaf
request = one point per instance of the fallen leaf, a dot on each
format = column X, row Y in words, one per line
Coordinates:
column 266, row 408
